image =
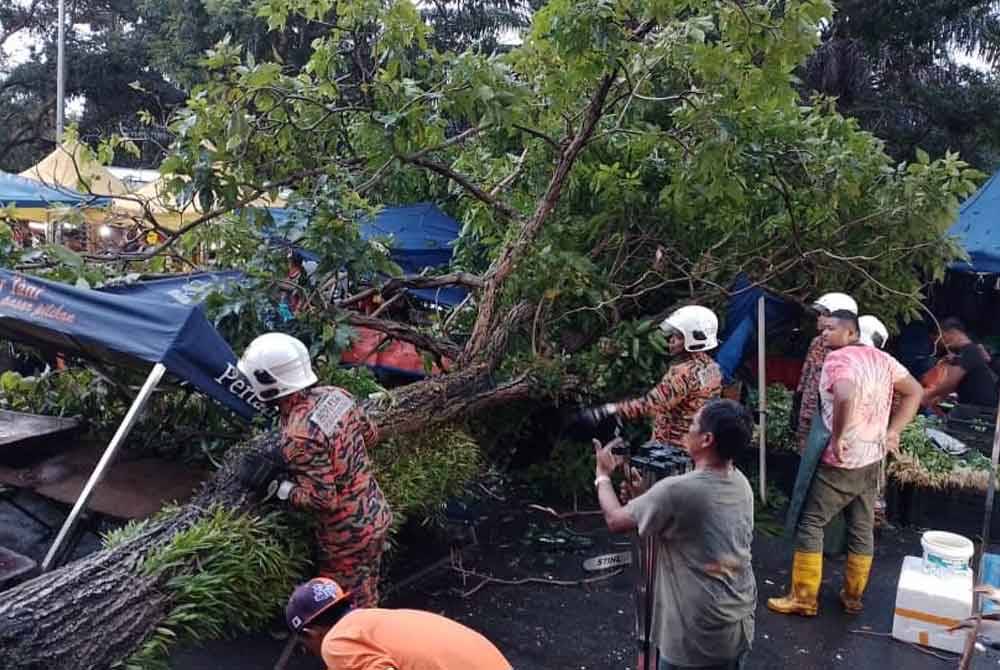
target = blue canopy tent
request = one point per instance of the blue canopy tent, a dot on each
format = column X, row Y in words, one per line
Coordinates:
column 971, row 288
column 137, row 331
column 978, row 229
column 185, row 290
column 753, row 312
column 32, row 199
column 741, row 322
column 420, row 236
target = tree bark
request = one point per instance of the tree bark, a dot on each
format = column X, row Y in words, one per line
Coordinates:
column 97, row 611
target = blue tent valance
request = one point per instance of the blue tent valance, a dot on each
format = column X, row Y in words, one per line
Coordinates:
column 138, row 330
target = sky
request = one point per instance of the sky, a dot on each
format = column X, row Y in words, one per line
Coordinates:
column 17, row 50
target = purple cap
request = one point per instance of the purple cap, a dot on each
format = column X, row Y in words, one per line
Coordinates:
column 311, row 599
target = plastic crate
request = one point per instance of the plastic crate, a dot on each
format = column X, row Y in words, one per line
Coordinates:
column 973, row 425
column 958, row 511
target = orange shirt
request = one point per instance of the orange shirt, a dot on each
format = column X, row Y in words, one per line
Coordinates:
column 382, row 639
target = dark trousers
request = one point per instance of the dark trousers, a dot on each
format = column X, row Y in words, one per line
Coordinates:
column 836, row 490
column 736, row 664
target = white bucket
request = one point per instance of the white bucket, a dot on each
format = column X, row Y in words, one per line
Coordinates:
column 946, row 552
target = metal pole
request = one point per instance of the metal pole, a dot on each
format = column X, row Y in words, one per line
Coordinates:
column 990, row 492
column 762, row 397
column 61, row 72
column 109, row 453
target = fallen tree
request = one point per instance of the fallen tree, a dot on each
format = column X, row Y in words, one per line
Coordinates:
column 626, row 157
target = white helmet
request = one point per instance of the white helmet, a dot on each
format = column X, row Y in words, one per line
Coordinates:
column 873, row 332
column 277, row 365
column 698, row 325
column 835, row 302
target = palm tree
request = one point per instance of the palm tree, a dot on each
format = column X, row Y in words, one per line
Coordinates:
column 891, row 64
column 482, row 24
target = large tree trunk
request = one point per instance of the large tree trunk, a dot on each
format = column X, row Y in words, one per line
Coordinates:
column 97, row 611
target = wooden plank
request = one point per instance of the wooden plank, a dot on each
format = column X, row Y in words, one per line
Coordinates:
column 19, row 426
column 132, row 489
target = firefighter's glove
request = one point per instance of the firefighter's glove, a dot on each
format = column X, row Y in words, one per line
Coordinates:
column 593, row 416
column 258, row 469
column 279, row 489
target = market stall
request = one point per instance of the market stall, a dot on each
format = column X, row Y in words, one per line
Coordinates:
column 28, row 200
column 153, row 335
column 70, row 166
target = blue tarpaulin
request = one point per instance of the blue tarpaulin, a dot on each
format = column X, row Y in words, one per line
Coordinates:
column 978, row 229
column 184, row 290
column 135, row 330
column 192, row 289
column 26, row 193
column 741, row 322
column 420, row 236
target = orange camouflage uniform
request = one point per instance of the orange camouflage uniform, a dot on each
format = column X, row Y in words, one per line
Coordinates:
column 688, row 384
column 325, row 440
column 809, row 388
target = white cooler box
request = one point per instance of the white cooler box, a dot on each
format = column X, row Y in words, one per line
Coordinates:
column 928, row 604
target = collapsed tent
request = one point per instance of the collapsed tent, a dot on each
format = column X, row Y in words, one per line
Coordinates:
column 184, row 290
column 134, row 331
column 373, row 349
column 419, row 237
column 169, row 335
column 34, row 201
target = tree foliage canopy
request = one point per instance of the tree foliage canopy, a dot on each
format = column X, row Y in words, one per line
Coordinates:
column 627, row 157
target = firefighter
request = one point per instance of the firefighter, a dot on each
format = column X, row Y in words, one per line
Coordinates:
column 873, row 332
column 806, row 395
column 692, row 379
column 323, row 456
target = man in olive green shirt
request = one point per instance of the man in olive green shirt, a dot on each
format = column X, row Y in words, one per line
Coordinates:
column 705, row 589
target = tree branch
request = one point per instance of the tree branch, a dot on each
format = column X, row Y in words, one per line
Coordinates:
column 420, row 281
column 440, row 168
column 514, row 251
column 401, row 331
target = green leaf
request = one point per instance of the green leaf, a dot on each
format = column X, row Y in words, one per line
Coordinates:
column 64, row 255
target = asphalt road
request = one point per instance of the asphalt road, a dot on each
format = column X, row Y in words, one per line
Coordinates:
column 588, row 627
column 542, row 626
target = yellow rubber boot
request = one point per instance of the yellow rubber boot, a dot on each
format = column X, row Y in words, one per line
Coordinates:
column 855, row 580
column 807, row 572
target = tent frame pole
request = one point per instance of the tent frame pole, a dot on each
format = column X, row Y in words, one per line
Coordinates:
column 762, row 396
column 155, row 375
column 988, row 512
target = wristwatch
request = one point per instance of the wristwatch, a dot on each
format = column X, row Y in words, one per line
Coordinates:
column 601, row 478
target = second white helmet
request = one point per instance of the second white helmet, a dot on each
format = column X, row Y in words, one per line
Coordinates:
column 873, row 332
column 698, row 325
column 277, row 365
column 836, row 302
